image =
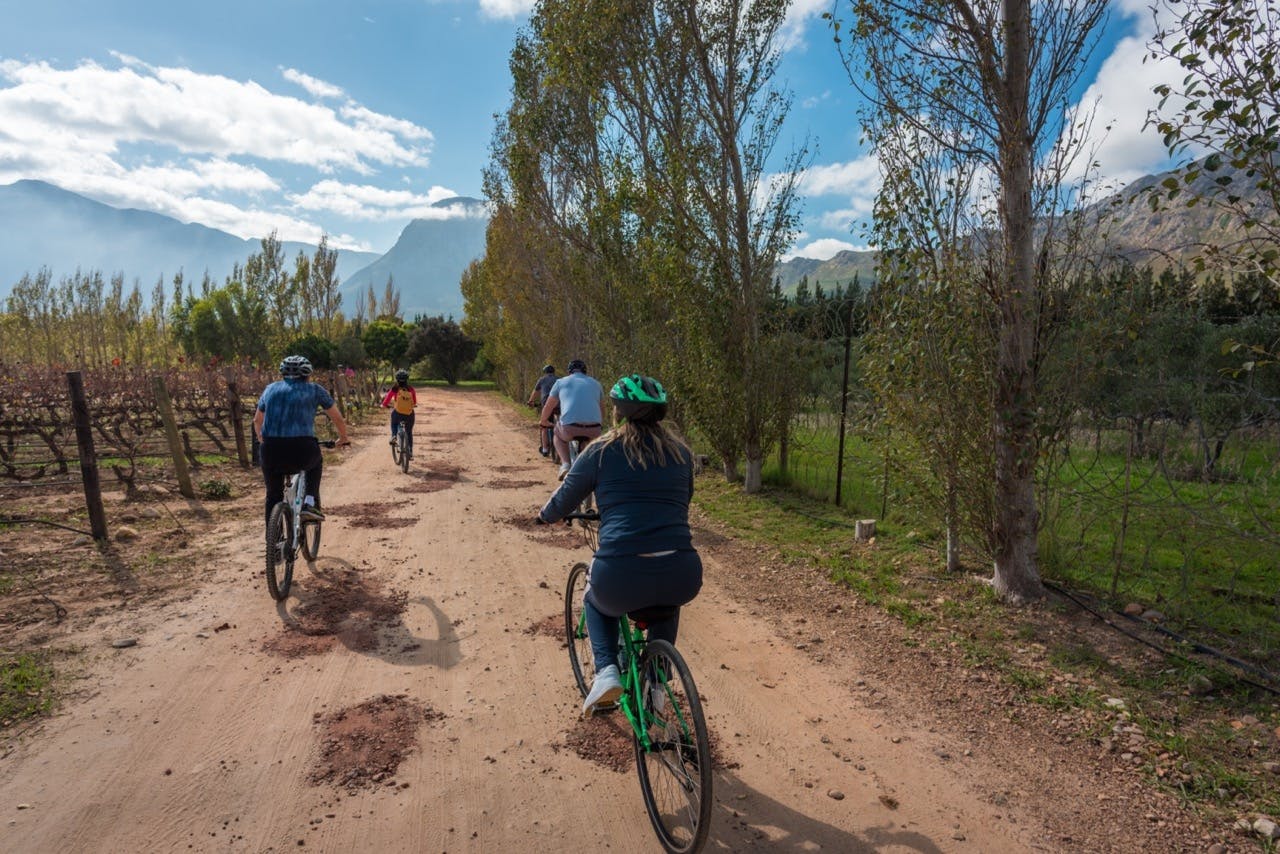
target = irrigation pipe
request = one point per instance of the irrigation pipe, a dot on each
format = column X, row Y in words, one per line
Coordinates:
column 1198, row 647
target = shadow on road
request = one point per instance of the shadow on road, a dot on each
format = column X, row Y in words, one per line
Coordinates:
column 745, row 818
column 337, row 603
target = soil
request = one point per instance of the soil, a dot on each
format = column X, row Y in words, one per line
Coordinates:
column 406, row 697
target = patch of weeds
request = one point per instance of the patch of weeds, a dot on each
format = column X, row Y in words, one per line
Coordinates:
column 1026, row 632
column 1069, row 656
column 215, row 489
column 1070, row 697
column 7, row 583
column 26, row 688
column 908, row 613
column 1024, row 680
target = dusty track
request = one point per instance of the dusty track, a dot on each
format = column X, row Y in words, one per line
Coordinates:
column 212, row 743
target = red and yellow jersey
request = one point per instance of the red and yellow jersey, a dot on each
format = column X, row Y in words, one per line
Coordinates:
column 403, row 398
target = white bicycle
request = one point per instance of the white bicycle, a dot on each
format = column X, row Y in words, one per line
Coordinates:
column 288, row 533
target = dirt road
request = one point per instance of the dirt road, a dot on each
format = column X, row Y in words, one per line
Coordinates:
column 230, row 725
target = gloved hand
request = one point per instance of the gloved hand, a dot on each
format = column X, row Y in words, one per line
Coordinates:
column 537, row 520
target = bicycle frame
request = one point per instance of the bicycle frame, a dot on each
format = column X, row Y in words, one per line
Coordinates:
column 295, row 493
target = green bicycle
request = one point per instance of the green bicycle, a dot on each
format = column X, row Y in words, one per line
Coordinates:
column 660, row 702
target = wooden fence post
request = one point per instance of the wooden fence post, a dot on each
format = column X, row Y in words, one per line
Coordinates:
column 237, row 418
column 171, row 433
column 88, row 457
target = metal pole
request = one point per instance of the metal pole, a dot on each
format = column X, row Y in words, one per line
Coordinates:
column 844, row 395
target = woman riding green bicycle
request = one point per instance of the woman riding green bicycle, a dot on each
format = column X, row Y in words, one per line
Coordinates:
column 642, row 475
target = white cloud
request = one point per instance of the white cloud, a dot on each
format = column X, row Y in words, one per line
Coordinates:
column 316, row 87
column 822, row 249
column 799, row 14
column 860, row 177
column 194, row 113
column 365, row 202
column 1121, row 98
column 506, row 9
column 174, row 141
column 214, row 174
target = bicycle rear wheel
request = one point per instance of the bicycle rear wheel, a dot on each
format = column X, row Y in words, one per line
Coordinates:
column 675, row 771
column 395, row 450
column 310, row 539
column 279, row 550
column 575, row 629
column 402, row 439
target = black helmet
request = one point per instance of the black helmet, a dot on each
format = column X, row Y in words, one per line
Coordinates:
column 295, row 366
column 548, row 369
column 402, row 376
column 639, row 398
column 577, row 365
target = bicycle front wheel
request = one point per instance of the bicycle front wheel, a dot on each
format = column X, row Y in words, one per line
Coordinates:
column 279, row 551
column 675, row 770
column 575, row 629
column 310, row 537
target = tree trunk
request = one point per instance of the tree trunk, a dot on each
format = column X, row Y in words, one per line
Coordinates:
column 731, row 470
column 784, row 452
column 1017, row 575
column 953, row 528
column 753, row 480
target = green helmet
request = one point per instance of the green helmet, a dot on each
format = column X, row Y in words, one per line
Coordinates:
column 639, row 398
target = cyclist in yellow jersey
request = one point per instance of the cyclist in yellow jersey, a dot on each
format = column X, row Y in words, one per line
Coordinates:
column 402, row 399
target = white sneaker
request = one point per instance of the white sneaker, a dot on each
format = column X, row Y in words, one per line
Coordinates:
column 606, row 688
column 564, row 470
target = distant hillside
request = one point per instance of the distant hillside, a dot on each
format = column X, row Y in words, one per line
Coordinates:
column 45, row 226
column 427, row 262
column 1128, row 225
column 840, row 269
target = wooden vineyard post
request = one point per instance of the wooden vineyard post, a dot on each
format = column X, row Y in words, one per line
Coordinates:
column 237, row 418
column 88, row 457
column 171, row 434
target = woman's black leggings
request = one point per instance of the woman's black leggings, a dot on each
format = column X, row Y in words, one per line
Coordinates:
column 282, row 457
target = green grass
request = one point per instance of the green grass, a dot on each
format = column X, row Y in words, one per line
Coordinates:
column 1201, row 553
column 462, row 385
column 26, row 687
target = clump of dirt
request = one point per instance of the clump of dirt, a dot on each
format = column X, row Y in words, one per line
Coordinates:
column 434, row 479
column 555, row 534
column 514, row 469
column 369, row 515
column 550, row 627
column 363, row 746
column 442, row 438
column 507, row 483
column 604, row 740
column 292, row 644
column 339, row 604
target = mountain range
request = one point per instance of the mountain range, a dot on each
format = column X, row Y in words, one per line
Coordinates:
column 42, row 225
column 45, row 226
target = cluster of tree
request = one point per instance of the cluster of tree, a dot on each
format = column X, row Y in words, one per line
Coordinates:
column 83, row 319
column 635, row 224
column 261, row 312
column 1165, row 352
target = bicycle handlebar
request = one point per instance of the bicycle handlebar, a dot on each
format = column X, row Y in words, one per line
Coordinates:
column 330, row 443
column 589, row 516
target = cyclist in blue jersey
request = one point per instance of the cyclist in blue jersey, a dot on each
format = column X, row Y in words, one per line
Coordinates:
column 579, row 398
column 285, row 424
column 642, row 475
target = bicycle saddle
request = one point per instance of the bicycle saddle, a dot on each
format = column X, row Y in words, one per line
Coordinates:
column 653, row 614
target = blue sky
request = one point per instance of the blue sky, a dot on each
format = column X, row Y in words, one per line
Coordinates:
column 351, row 118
